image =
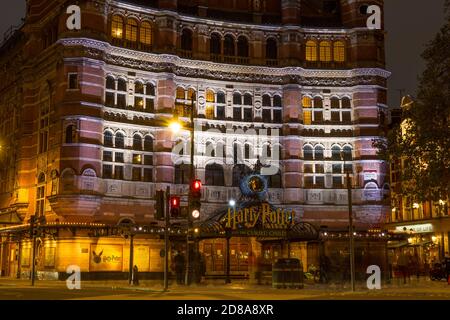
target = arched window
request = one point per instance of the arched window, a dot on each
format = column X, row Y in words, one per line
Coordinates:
column 215, row 46
column 182, row 173
column 336, row 153
column 70, row 134
column 248, row 152
column 325, row 51
column 267, row 151
column 209, row 150
column 339, row 51
column 117, row 27
column 239, row 171
column 131, row 30
column 311, row 50
column 242, row 47
column 237, row 98
column 137, row 142
column 318, row 103
column 248, row 99
column 266, row 101
column 120, row 140
column 220, row 97
column 347, row 150
column 138, row 87
column 214, row 175
column 271, row 49
column 228, row 45
column 108, row 139
column 210, row 104
column 307, row 153
column 318, row 153
column 146, row 33
column 180, row 93
column 121, row 85
column 186, row 40
column 277, row 101
column 148, row 144
column 346, row 104
column 110, row 83
column 237, row 153
column 334, row 103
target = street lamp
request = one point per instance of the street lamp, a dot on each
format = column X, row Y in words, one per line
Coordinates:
column 232, row 202
column 350, row 226
column 175, row 126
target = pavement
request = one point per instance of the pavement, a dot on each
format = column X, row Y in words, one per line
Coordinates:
column 21, row 289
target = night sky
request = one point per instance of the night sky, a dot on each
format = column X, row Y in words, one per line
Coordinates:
column 410, row 26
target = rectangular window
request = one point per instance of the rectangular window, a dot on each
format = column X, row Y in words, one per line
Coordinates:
column 346, row 116
column 267, row 115
column 40, row 201
column 107, row 171
column 121, row 100
column 107, row 156
column 119, row 157
column 43, row 141
column 148, row 160
column 137, row 159
column 337, row 168
column 118, row 172
column 148, row 175
column 277, row 116
column 307, row 118
column 308, row 168
column 220, row 112
column 319, row 168
column 139, row 102
column 237, row 114
column 318, row 116
column 149, row 105
column 109, row 99
column 73, row 81
column 248, row 114
column 335, row 116
column 337, row 182
column 320, row 182
column 137, row 174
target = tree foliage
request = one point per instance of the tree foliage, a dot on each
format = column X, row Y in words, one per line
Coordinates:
column 424, row 144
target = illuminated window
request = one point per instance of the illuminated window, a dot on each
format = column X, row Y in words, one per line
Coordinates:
column 210, row 111
column 40, row 196
column 210, row 104
column 306, row 102
column 325, row 51
column 146, row 33
column 311, row 51
column 180, row 93
column 339, row 51
column 307, row 114
column 117, row 27
column 210, row 96
column 131, row 30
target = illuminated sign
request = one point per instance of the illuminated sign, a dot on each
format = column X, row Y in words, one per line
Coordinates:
column 261, row 216
column 419, row 228
column 106, row 258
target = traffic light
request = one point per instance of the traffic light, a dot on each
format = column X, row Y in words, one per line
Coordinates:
column 194, row 199
column 174, row 206
column 160, row 207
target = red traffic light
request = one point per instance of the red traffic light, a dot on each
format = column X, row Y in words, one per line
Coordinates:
column 196, row 185
column 175, row 202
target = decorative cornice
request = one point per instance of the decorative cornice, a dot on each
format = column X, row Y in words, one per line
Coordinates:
column 229, row 72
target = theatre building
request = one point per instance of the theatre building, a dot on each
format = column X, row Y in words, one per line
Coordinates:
column 299, row 85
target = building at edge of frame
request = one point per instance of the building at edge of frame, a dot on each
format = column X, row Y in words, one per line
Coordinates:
column 85, row 141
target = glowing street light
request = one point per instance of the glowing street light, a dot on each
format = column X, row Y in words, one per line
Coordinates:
column 232, row 202
column 175, row 126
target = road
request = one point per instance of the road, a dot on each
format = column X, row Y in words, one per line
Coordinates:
column 48, row 290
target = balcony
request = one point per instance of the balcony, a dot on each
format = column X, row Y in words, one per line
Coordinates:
column 134, row 45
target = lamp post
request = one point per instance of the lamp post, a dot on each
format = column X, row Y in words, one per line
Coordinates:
column 176, row 126
column 350, row 225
